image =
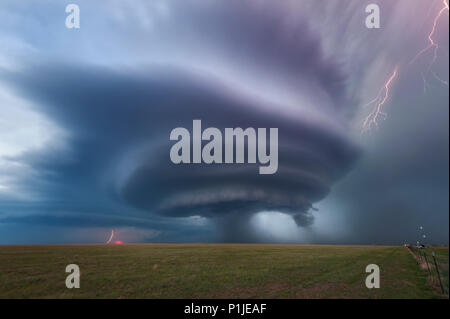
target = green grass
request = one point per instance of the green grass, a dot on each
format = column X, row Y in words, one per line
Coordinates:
column 441, row 261
column 211, row 271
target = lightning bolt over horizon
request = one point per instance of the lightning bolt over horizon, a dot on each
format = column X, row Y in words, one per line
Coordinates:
column 110, row 237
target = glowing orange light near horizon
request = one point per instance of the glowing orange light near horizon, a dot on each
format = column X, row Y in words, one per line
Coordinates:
column 118, row 242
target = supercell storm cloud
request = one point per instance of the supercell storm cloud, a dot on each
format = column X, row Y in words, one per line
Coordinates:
column 227, row 63
column 124, row 124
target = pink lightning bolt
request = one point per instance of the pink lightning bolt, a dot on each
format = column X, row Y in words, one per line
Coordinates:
column 432, row 43
column 371, row 120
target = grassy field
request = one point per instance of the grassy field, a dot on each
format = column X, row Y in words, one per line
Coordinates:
column 211, row 271
column 426, row 261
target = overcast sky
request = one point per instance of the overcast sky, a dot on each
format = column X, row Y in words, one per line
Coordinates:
column 85, row 118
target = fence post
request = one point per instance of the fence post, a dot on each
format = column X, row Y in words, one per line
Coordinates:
column 428, row 266
column 437, row 270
